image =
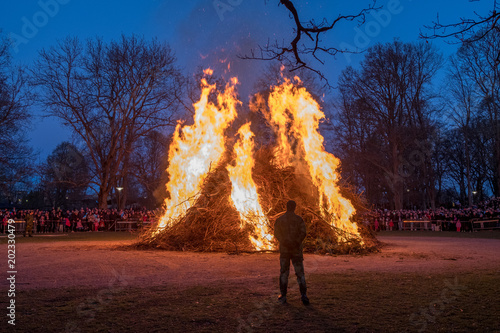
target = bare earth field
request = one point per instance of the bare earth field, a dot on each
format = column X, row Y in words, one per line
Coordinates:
column 415, row 284
column 95, row 264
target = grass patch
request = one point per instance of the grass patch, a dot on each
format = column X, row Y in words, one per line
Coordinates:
column 364, row 302
column 73, row 236
column 493, row 234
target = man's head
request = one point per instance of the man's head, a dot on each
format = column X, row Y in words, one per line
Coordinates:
column 290, row 206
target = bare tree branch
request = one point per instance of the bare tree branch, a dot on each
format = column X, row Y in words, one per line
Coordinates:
column 465, row 30
column 291, row 54
column 110, row 95
column 15, row 97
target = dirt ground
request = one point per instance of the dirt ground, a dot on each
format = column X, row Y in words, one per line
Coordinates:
column 100, row 264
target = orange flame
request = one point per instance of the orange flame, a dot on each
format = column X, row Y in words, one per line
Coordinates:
column 195, row 148
column 295, row 116
column 244, row 192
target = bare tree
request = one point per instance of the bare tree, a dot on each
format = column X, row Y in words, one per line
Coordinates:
column 455, row 159
column 478, row 67
column 65, row 176
column 149, row 165
column 15, row 153
column 299, row 53
column 462, row 108
column 385, row 114
column 109, row 94
column 470, row 170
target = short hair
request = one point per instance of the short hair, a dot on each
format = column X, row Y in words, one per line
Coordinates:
column 290, row 205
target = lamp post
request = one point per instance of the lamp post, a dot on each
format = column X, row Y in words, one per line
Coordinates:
column 119, row 189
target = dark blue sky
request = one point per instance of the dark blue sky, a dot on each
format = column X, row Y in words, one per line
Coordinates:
column 201, row 35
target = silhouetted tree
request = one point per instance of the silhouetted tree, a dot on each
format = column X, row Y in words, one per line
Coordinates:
column 149, row 165
column 385, row 121
column 476, row 62
column 110, row 95
column 16, row 156
column 65, row 176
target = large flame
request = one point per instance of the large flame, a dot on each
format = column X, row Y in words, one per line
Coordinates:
column 295, row 116
column 244, row 192
column 196, row 148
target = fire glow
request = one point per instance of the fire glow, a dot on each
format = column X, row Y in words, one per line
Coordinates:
column 294, row 113
column 294, row 116
column 244, row 192
column 195, row 148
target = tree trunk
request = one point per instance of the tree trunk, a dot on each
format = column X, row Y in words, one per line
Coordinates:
column 124, row 175
column 468, row 175
column 462, row 186
column 397, row 188
column 102, row 198
column 124, row 193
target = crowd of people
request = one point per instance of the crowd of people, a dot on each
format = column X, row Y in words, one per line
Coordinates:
column 447, row 219
column 87, row 219
column 84, row 219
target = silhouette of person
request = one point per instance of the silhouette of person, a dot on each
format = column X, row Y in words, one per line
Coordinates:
column 290, row 231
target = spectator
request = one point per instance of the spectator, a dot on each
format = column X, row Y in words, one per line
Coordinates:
column 79, row 225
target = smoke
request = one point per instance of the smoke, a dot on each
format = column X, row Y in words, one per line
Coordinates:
column 215, row 33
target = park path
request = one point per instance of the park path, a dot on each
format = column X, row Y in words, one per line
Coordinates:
column 100, row 264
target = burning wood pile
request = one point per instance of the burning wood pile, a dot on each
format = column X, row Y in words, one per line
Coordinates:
column 226, row 197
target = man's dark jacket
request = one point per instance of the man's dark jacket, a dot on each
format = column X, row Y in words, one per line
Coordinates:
column 290, row 231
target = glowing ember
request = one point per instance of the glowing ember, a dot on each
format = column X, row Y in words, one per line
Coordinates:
column 244, row 192
column 195, row 148
column 295, row 116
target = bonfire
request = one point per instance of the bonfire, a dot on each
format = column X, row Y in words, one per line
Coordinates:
column 224, row 195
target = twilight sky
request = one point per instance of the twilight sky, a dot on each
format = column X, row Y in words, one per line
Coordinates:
column 202, row 35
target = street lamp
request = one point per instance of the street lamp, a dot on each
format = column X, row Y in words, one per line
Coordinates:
column 119, row 188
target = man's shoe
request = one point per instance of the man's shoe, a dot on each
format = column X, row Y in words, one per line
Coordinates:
column 282, row 299
column 305, row 300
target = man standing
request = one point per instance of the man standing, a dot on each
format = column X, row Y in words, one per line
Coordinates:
column 290, row 231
